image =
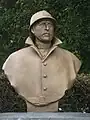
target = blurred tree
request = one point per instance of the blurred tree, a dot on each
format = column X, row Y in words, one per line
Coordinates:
column 72, row 25
column 7, row 3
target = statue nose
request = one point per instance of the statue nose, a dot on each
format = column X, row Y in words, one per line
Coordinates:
column 46, row 26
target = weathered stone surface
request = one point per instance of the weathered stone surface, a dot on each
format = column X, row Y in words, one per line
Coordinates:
column 44, row 116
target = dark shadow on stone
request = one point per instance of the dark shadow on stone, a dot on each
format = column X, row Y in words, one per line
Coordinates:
column 10, row 101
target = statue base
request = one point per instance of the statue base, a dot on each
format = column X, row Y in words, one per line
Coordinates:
column 45, row 116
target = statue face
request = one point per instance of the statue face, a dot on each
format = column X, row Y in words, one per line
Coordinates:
column 43, row 30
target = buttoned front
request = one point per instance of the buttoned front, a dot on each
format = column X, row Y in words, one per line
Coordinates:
column 44, row 75
column 44, row 63
column 41, row 81
column 44, row 88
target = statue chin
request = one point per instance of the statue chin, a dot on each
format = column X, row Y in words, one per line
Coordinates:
column 46, row 41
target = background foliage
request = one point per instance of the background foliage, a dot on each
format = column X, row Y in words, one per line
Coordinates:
column 72, row 25
column 73, row 29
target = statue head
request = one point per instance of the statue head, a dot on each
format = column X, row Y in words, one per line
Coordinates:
column 42, row 26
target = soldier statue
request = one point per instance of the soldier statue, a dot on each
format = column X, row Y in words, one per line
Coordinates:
column 42, row 71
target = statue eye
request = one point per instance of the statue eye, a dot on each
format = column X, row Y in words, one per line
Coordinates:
column 49, row 24
column 42, row 24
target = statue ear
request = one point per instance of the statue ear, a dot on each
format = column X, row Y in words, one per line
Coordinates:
column 32, row 31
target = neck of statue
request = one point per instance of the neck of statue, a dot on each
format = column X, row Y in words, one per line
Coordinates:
column 42, row 45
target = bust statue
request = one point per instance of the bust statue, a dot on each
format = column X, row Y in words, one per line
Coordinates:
column 42, row 72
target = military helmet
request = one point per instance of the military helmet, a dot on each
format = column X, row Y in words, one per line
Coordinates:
column 41, row 15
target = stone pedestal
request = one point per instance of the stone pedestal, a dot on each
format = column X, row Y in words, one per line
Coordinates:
column 45, row 116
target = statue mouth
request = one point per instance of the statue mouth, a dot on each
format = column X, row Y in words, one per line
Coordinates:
column 46, row 34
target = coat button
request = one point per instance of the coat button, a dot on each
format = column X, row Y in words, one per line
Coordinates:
column 45, row 64
column 44, row 88
column 44, row 75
